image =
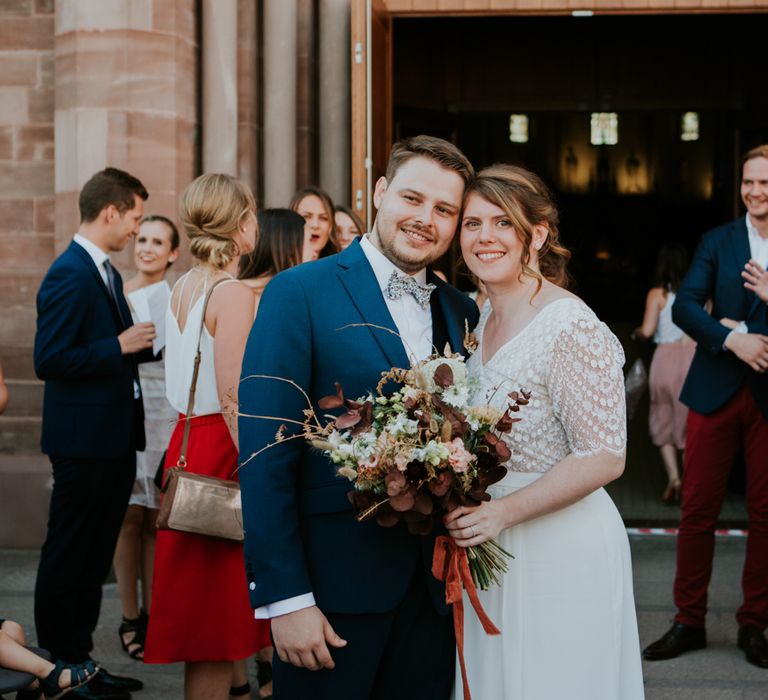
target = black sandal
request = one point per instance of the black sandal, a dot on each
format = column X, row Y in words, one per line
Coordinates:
column 238, row 690
column 80, row 674
column 138, row 627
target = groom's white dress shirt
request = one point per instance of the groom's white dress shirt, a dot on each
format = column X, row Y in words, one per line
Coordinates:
column 414, row 323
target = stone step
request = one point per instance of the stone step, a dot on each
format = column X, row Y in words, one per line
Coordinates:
column 20, row 434
column 25, row 398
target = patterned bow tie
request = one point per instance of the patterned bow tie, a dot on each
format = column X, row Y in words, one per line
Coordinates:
column 398, row 285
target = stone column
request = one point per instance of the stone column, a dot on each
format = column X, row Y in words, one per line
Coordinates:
column 280, row 23
column 219, row 59
column 126, row 96
column 334, row 100
column 249, row 96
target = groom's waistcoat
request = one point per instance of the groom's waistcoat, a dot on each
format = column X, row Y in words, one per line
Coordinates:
column 316, row 325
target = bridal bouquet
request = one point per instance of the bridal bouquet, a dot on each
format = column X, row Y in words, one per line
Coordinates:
column 416, row 453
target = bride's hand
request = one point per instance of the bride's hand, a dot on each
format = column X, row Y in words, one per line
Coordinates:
column 471, row 526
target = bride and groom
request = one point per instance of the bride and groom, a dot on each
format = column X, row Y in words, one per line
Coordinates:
column 355, row 610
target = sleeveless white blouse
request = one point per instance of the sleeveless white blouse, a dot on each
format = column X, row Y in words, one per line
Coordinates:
column 180, row 349
column 666, row 330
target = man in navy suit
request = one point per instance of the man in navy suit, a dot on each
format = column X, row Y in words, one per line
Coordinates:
column 727, row 392
column 355, row 610
column 86, row 350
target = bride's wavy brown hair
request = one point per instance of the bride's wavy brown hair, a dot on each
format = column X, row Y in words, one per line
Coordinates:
column 527, row 201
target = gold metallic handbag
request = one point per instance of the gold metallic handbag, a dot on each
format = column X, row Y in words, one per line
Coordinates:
column 195, row 503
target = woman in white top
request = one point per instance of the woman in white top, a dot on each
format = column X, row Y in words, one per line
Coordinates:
column 200, row 613
column 565, row 608
column 155, row 250
column 667, row 418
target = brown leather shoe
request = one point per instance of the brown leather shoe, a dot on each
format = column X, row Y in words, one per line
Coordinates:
column 754, row 645
column 679, row 639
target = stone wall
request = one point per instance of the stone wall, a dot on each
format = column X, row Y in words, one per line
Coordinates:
column 26, row 202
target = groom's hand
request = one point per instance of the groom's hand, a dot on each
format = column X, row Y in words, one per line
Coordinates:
column 302, row 639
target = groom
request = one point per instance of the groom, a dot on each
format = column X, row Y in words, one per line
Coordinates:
column 355, row 611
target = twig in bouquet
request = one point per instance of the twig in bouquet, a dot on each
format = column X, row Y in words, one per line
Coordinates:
column 310, row 414
column 253, row 455
column 408, row 348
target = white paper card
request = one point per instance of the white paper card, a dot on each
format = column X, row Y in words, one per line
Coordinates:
column 149, row 305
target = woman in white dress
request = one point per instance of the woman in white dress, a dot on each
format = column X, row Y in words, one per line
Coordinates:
column 155, row 250
column 566, row 607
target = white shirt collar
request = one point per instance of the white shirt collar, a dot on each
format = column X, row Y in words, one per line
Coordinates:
column 97, row 254
column 383, row 266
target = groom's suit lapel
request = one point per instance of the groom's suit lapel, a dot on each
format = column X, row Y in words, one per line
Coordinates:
column 356, row 275
column 452, row 313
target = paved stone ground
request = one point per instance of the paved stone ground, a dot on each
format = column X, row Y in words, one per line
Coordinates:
column 717, row 673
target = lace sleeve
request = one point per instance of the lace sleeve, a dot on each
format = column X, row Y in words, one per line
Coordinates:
column 587, row 387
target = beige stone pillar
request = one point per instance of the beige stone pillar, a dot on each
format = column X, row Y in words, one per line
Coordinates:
column 249, row 52
column 280, row 24
column 219, row 69
column 126, row 88
column 334, row 99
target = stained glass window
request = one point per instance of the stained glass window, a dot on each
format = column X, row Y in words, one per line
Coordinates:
column 604, row 128
column 518, row 128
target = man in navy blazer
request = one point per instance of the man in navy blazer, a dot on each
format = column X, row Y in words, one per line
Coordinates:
column 355, row 610
column 726, row 391
column 86, row 350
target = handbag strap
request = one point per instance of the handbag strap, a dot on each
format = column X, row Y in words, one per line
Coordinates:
column 181, row 463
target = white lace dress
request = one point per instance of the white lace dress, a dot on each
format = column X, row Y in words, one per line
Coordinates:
column 566, row 607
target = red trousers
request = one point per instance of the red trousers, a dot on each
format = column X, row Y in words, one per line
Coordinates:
column 711, row 447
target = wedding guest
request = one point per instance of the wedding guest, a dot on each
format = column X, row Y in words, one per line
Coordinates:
column 348, row 225
column 671, row 361
column 86, row 350
column 200, row 611
column 53, row 680
column 281, row 245
column 316, row 208
column 155, row 250
column 756, row 279
column 726, row 391
column 566, row 602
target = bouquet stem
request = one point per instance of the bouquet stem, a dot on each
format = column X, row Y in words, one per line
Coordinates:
column 488, row 562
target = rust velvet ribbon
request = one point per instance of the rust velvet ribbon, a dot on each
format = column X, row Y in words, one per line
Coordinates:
column 450, row 564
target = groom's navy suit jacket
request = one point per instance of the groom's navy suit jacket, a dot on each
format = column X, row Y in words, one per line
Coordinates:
column 300, row 533
column 89, row 409
column 717, row 374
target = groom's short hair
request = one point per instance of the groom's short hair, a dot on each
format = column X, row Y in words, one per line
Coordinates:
column 443, row 152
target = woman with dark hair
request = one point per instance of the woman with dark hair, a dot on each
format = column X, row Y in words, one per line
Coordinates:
column 348, row 225
column 672, row 358
column 566, row 602
column 282, row 244
column 316, row 208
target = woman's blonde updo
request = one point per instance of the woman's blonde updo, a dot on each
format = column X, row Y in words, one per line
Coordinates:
column 527, row 201
column 212, row 209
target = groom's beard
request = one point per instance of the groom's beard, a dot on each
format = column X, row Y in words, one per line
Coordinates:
column 394, row 242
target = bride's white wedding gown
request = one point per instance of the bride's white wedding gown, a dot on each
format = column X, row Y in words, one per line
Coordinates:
column 566, row 607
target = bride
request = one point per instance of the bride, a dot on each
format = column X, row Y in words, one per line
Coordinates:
column 566, row 607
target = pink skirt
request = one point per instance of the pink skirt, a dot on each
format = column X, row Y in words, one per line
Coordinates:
column 669, row 367
column 200, row 605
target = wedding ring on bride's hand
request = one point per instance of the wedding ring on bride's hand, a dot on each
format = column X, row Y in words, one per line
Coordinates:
column 472, row 527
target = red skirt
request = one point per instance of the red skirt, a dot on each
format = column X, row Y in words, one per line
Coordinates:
column 200, row 606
